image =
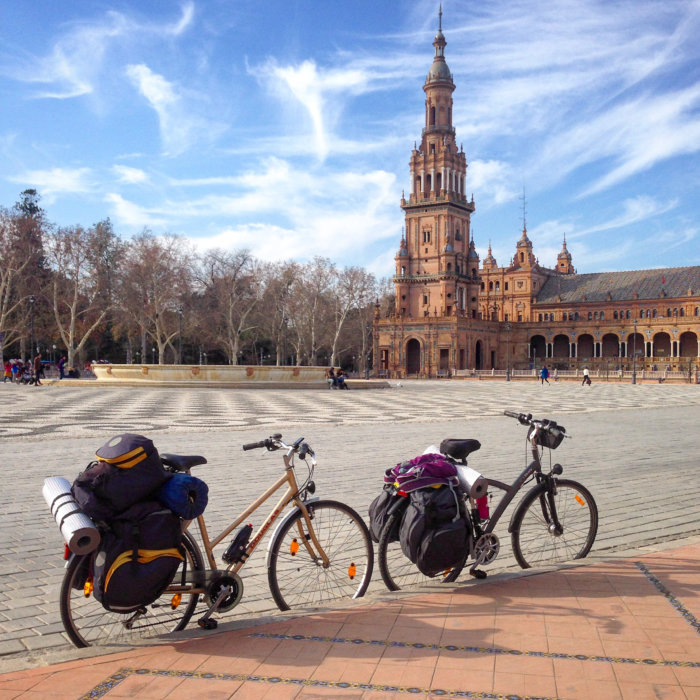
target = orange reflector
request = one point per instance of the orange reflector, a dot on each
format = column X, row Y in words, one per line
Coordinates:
column 66, row 552
column 177, row 598
column 352, row 571
column 293, row 547
column 580, row 500
column 87, row 587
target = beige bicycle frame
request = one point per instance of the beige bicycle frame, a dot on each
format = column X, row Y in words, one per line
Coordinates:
column 291, row 494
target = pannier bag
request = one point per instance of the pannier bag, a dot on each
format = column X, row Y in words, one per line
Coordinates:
column 138, row 557
column 128, row 469
column 186, row 495
column 433, row 531
column 379, row 512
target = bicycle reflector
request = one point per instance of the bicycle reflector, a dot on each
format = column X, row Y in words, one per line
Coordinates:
column 66, row 552
column 580, row 500
column 175, row 602
column 352, row 570
column 88, row 587
column 293, row 547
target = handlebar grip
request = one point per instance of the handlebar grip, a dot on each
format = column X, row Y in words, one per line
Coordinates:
column 304, row 450
column 255, row 445
column 511, row 414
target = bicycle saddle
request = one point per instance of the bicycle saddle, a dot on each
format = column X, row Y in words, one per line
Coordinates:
column 180, row 463
column 459, row 448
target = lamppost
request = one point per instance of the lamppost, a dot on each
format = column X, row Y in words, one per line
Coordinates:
column 634, row 353
column 32, row 299
column 179, row 335
column 205, row 358
column 153, row 355
column 507, row 326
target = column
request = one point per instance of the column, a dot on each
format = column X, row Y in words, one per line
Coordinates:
column 432, row 179
column 447, row 180
column 444, row 184
column 573, row 349
column 422, row 182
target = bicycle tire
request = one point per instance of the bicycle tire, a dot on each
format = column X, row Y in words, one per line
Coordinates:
column 298, row 579
column 534, row 542
column 87, row 623
column 396, row 569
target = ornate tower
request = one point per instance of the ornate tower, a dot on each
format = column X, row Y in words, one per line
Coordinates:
column 564, row 261
column 436, row 270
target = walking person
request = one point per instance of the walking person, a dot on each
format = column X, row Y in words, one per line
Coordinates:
column 586, row 377
column 38, row 370
column 544, row 374
column 62, row 367
column 7, row 372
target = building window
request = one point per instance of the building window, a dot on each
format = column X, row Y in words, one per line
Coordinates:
column 641, row 313
column 590, row 315
column 505, row 286
column 682, row 312
column 675, row 312
column 490, row 286
column 540, row 317
column 498, row 286
column 653, row 314
column 615, row 315
column 628, row 313
column 483, row 287
column 425, row 299
column 602, row 315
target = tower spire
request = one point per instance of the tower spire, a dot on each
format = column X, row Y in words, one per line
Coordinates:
column 440, row 18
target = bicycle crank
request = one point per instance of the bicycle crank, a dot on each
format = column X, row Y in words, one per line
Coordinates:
column 486, row 549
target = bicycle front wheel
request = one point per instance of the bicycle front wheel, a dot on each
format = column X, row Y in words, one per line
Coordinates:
column 397, row 570
column 536, row 538
column 87, row 623
column 296, row 572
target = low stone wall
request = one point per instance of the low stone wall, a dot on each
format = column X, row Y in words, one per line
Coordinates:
column 219, row 374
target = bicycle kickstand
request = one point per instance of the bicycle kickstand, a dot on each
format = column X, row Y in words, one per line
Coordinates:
column 206, row 622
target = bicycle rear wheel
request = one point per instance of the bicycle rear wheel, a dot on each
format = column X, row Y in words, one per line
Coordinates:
column 397, row 570
column 87, row 623
column 296, row 573
column 535, row 538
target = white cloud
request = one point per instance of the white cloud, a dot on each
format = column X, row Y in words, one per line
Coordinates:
column 131, row 214
column 56, row 181
column 130, row 176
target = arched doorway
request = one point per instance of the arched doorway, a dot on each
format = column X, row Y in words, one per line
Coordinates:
column 688, row 344
column 478, row 362
column 635, row 345
column 413, row 357
column 662, row 345
column 560, row 347
column 538, row 347
column 585, row 347
column 611, row 345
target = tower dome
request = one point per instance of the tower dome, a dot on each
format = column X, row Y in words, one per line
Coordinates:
column 564, row 260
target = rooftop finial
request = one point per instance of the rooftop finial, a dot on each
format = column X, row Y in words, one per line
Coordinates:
column 524, row 200
column 440, row 18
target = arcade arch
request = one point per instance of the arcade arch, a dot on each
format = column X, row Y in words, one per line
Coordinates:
column 413, row 356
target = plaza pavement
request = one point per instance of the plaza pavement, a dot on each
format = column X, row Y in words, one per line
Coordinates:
column 635, row 447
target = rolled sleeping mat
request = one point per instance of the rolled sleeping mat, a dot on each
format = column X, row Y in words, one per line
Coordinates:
column 77, row 529
column 185, row 495
column 472, row 482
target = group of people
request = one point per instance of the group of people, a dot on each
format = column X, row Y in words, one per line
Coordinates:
column 544, row 375
column 18, row 372
column 336, row 379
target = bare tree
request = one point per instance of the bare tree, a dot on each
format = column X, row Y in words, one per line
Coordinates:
column 156, row 281
column 79, row 296
column 234, row 283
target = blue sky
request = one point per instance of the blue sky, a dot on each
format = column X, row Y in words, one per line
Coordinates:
column 285, row 127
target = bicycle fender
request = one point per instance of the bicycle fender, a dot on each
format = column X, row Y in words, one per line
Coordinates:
column 282, row 523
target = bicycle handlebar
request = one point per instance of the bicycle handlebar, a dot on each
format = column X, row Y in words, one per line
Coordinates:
column 522, row 418
column 274, row 442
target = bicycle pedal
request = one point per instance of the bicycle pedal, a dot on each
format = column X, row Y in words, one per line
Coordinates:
column 208, row 624
column 478, row 573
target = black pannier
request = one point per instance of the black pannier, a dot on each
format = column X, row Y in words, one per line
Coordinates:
column 379, row 512
column 128, row 469
column 138, row 557
column 434, row 532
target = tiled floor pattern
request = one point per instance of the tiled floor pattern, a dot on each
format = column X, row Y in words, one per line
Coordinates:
column 623, row 629
column 88, row 411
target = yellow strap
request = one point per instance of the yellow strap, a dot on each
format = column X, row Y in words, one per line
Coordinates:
column 127, row 460
column 145, row 556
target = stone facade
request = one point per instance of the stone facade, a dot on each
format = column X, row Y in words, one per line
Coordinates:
column 454, row 314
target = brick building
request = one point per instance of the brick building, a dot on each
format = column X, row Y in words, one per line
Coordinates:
column 454, row 313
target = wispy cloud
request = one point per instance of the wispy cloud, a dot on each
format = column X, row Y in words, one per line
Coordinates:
column 130, row 176
column 131, row 214
column 56, row 181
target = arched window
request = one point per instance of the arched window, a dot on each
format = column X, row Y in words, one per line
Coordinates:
column 602, row 315
column 432, row 116
column 482, row 286
column 505, row 286
column 682, row 312
column 474, row 273
column 628, row 313
column 697, row 310
column 590, row 316
column 668, row 312
column 641, row 313
column 675, row 312
column 522, row 257
column 491, row 286
column 498, row 286
column 653, row 314
column 595, row 315
column 540, row 317
column 449, row 267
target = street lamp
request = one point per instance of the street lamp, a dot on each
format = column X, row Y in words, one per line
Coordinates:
column 153, row 356
column 634, row 353
column 32, row 299
column 507, row 326
column 179, row 335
